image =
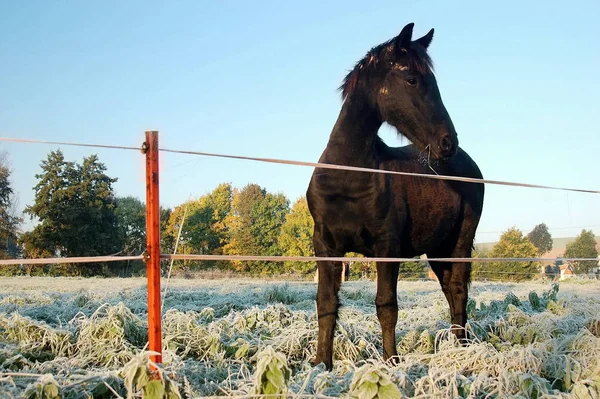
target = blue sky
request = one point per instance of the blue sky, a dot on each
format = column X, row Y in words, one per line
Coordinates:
column 519, row 79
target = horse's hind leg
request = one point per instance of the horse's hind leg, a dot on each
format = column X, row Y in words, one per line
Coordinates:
column 330, row 279
column 455, row 277
column 386, row 302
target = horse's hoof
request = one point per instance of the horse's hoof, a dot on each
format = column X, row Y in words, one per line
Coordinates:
column 328, row 365
column 393, row 360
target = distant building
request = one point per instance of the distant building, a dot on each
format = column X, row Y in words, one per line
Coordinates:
column 431, row 275
column 566, row 271
column 559, row 246
column 345, row 272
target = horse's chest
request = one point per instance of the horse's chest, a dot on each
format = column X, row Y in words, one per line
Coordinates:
column 355, row 223
column 436, row 205
column 349, row 210
column 348, row 201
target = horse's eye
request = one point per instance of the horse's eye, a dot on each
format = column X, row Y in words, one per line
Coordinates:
column 411, row 81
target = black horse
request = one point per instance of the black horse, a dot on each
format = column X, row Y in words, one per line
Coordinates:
column 383, row 215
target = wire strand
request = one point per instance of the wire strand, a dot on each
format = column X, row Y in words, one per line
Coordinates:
column 315, row 165
column 382, row 171
column 549, row 229
column 118, row 147
column 82, row 259
column 92, row 259
column 363, row 260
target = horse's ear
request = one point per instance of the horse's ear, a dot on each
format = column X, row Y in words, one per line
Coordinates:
column 402, row 41
column 425, row 41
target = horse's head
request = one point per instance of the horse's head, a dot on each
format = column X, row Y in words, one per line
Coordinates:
column 397, row 79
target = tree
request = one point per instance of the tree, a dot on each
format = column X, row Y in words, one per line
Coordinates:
column 220, row 201
column 254, row 226
column 197, row 237
column 267, row 218
column 131, row 222
column 296, row 237
column 362, row 270
column 167, row 241
column 512, row 244
column 413, row 270
column 75, row 206
column 9, row 221
column 541, row 238
column 584, row 246
column 553, row 270
column 478, row 269
column 203, row 231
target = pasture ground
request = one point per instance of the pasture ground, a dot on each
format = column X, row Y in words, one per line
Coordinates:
column 78, row 338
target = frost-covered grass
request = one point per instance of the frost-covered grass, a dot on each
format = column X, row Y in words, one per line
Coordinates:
column 79, row 338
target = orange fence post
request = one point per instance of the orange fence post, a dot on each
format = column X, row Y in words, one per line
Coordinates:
column 153, row 245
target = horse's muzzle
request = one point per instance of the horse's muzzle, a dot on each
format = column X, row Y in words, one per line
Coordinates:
column 447, row 146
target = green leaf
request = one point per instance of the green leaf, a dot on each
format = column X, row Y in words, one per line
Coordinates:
column 242, row 351
column 269, row 389
column 50, row 391
column 371, row 377
column 367, row 390
column 389, row 391
column 471, row 308
column 271, row 373
column 512, row 302
column 141, row 378
column 581, row 391
column 555, row 308
column 534, row 301
column 276, row 379
column 154, row 390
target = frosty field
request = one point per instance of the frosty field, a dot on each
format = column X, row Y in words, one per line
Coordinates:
column 80, row 338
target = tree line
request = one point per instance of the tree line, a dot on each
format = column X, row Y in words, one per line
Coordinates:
column 78, row 214
column 514, row 244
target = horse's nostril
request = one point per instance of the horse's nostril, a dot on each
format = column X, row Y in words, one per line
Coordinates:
column 446, row 143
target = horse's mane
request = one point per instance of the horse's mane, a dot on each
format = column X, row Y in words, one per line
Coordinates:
column 417, row 60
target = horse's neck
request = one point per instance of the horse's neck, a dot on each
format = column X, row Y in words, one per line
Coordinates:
column 352, row 140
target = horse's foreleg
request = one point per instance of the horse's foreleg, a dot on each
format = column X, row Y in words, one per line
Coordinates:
column 330, row 278
column 386, row 302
